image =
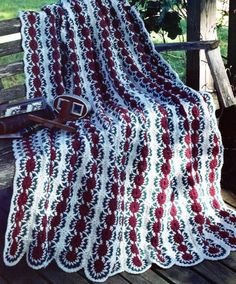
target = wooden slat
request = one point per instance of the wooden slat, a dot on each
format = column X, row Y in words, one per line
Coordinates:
column 9, row 26
column 216, row 272
column 229, row 197
column 11, row 69
column 230, row 261
column 222, row 84
column 147, row 277
column 7, row 164
column 56, row 275
column 9, row 48
column 23, row 277
column 117, row 279
column 13, row 93
column 5, row 145
column 21, row 274
column 152, row 277
column 181, row 275
column 191, row 45
column 7, row 168
column 134, row 278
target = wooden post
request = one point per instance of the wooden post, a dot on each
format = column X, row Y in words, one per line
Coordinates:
column 224, row 91
column 231, row 41
column 201, row 23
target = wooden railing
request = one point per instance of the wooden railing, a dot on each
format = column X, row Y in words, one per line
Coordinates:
column 215, row 63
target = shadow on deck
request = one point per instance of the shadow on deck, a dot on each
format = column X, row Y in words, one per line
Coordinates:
column 219, row 272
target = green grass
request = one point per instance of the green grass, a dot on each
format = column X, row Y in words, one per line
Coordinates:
column 223, row 37
column 16, row 79
column 177, row 60
column 9, row 9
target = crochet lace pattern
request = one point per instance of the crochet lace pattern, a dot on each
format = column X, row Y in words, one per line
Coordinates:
column 139, row 182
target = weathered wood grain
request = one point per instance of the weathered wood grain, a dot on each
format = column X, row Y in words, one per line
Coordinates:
column 5, row 145
column 229, row 198
column 147, row 277
column 7, row 169
column 21, row 274
column 8, row 70
column 190, row 45
column 222, row 84
column 201, row 25
column 13, row 93
column 10, row 26
column 12, row 47
column 216, row 272
column 230, row 261
column 136, row 278
column 7, row 164
column 151, row 276
column 56, row 275
column 117, row 279
column 181, row 275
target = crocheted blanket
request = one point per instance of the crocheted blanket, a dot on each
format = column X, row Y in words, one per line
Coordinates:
column 139, row 182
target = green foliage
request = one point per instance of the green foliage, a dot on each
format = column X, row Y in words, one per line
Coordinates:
column 171, row 24
column 9, row 9
column 162, row 16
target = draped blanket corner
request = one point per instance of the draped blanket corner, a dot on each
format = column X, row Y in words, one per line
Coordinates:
column 139, row 182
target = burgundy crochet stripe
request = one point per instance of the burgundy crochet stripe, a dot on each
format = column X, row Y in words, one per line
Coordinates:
column 55, row 60
column 38, row 250
column 216, row 229
column 33, row 51
column 81, row 225
column 164, row 183
column 26, row 184
column 92, row 63
column 104, row 24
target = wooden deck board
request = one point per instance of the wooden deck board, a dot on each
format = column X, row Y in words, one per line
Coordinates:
column 181, row 275
column 20, row 274
column 229, row 198
column 117, row 279
column 230, row 261
column 153, row 277
column 55, row 275
column 147, row 277
column 216, row 272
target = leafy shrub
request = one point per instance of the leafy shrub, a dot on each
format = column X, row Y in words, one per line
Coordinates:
column 162, row 15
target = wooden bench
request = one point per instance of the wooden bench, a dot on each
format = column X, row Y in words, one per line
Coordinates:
column 10, row 45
